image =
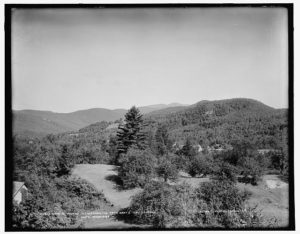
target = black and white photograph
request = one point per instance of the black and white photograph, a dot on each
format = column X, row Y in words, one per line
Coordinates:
column 149, row 117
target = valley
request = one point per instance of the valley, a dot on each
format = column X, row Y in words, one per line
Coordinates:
column 160, row 169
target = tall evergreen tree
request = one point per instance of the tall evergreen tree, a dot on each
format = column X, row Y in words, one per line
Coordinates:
column 129, row 133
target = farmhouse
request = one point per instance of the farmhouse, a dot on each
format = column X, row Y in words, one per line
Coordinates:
column 19, row 191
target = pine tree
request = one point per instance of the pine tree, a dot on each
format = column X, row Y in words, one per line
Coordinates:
column 130, row 134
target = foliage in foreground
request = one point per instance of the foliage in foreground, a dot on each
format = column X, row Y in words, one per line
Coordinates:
column 53, row 196
column 215, row 204
column 57, row 205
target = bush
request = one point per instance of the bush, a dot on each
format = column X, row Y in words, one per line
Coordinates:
column 220, row 195
column 180, row 161
column 49, row 201
column 92, row 155
column 87, row 196
column 137, row 167
column 35, row 212
column 251, row 169
column 214, row 204
column 225, row 206
column 166, row 168
column 156, row 205
column 223, row 171
column 199, row 165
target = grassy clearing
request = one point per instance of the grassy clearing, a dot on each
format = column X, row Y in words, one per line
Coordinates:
column 272, row 201
column 102, row 177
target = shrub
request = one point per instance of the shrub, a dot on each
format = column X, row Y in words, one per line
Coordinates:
column 166, row 168
column 223, row 171
column 180, row 161
column 92, row 155
column 251, row 169
column 36, row 213
column 214, row 204
column 224, row 205
column 48, row 203
column 199, row 165
column 87, row 196
column 137, row 167
column 156, row 205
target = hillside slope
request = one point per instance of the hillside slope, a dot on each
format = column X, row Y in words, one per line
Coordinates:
column 211, row 123
column 224, row 122
column 49, row 122
column 44, row 122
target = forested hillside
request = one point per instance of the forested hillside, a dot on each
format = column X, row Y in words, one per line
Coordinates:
column 225, row 122
column 208, row 123
column 45, row 122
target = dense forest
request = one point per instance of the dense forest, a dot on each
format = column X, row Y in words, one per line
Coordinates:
column 149, row 152
column 226, row 121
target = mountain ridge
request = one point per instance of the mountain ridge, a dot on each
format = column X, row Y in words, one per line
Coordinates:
column 38, row 121
column 53, row 122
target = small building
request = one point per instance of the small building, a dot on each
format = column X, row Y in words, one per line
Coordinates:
column 19, row 191
column 265, row 151
column 177, row 146
column 210, row 112
column 74, row 134
column 198, row 148
column 216, row 148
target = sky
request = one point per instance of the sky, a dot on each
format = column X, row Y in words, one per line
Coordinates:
column 65, row 60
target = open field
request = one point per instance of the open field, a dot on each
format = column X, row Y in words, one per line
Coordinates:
column 270, row 195
column 101, row 176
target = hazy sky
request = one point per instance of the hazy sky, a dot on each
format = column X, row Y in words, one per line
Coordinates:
column 66, row 60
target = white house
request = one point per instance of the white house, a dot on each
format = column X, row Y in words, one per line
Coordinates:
column 199, row 148
column 19, row 191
